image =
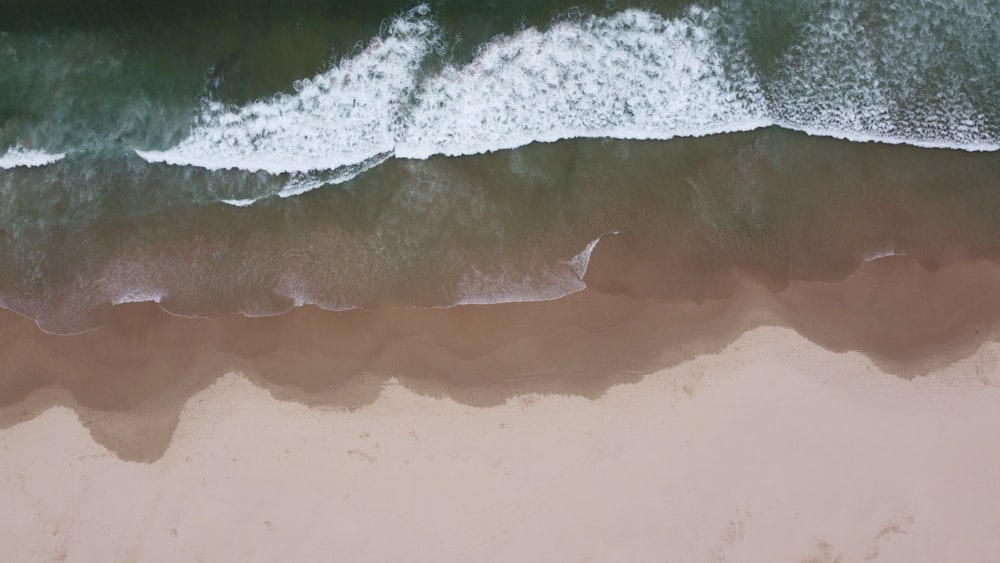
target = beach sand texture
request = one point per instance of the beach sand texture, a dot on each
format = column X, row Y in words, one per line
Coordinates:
column 772, row 450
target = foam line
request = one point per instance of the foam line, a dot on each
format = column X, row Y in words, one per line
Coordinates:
column 18, row 157
column 479, row 288
column 633, row 75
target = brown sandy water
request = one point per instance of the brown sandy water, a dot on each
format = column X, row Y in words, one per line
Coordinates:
column 691, row 217
column 130, row 378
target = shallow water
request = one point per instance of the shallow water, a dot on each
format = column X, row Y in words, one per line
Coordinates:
column 251, row 157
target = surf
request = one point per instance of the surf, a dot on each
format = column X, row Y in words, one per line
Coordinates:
column 631, row 75
column 18, row 156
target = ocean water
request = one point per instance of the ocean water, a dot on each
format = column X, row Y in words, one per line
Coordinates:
column 251, row 157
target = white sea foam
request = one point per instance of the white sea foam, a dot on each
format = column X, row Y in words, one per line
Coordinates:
column 480, row 288
column 302, row 182
column 891, row 75
column 341, row 118
column 18, row 156
column 974, row 144
column 135, row 295
column 633, row 75
column 240, row 202
column 883, row 252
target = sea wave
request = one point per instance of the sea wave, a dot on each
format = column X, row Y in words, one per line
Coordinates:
column 18, row 157
column 565, row 278
column 338, row 119
column 632, row 75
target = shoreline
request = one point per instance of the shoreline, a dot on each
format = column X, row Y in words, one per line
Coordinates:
column 130, row 379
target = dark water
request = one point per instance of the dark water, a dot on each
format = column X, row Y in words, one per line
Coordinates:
column 254, row 156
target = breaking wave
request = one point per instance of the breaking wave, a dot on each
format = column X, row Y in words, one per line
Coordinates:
column 18, row 156
column 633, row 75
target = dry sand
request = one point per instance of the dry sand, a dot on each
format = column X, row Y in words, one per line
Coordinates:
column 774, row 449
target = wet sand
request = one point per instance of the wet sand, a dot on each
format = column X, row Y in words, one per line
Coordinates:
column 852, row 420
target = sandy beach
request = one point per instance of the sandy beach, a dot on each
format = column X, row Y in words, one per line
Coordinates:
column 774, row 449
column 591, row 428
